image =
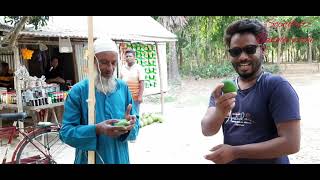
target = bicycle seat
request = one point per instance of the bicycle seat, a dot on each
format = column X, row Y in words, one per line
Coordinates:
column 13, row 116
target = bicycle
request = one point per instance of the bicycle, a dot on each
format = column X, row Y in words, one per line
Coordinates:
column 41, row 145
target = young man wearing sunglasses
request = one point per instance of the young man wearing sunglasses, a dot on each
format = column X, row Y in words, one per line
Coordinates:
column 261, row 122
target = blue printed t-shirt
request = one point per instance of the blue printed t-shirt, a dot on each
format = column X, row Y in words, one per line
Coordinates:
column 258, row 109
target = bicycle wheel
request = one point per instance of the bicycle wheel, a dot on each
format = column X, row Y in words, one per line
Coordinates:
column 45, row 147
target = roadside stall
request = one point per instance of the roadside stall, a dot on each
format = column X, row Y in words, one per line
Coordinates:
column 43, row 101
column 67, row 37
column 141, row 33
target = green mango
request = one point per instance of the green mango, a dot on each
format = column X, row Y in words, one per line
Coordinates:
column 229, row 86
column 150, row 120
column 145, row 123
column 122, row 123
column 157, row 118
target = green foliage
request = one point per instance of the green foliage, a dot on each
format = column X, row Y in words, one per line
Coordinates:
column 200, row 42
column 209, row 70
column 272, row 68
column 36, row 21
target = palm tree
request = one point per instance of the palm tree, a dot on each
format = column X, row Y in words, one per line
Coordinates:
column 173, row 24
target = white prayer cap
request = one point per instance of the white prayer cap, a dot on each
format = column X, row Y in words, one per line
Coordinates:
column 105, row 44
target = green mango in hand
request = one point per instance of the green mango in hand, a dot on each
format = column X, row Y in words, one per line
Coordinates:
column 229, row 86
column 122, row 123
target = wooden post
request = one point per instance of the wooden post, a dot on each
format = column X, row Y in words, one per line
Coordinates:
column 161, row 82
column 91, row 98
column 17, row 82
column 119, row 59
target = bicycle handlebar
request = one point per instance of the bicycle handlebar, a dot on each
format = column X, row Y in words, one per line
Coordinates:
column 13, row 116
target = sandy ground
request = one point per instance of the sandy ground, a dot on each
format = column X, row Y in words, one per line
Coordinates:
column 179, row 139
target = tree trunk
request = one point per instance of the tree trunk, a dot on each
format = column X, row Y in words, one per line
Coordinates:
column 314, row 53
column 214, row 55
column 289, row 54
column 317, row 54
column 174, row 76
column 225, row 55
column 310, row 49
column 211, row 55
column 180, row 58
column 272, row 56
column 197, row 42
column 297, row 55
column 292, row 53
column 279, row 46
column 207, row 52
column 288, row 59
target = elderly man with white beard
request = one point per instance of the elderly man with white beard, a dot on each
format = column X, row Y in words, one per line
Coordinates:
column 113, row 102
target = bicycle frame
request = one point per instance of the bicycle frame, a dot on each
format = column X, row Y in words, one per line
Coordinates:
column 28, row 138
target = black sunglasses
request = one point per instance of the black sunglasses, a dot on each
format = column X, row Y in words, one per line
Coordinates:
column 250, row 49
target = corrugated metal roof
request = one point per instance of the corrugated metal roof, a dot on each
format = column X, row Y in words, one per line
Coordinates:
column 55, row 32
column 126, row 28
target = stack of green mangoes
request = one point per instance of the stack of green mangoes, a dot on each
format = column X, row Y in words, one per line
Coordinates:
column 149, row 118
column 146, row 56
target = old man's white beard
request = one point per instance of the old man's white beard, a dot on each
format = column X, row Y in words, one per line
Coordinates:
column 105, row 85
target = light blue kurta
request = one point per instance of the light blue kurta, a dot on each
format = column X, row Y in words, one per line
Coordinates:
column 76, row 133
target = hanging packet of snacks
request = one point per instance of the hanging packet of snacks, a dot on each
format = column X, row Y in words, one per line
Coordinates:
column 26, row 53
